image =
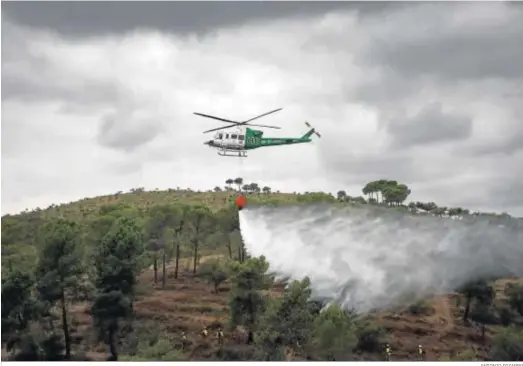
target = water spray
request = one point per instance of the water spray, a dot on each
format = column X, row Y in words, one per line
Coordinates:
column 371, row 258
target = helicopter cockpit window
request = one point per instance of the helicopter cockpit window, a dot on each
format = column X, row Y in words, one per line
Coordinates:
column 234, row 137
column 218, row 136
column 241, row 137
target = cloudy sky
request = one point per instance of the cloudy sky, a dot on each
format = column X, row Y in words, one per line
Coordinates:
column 98, row 97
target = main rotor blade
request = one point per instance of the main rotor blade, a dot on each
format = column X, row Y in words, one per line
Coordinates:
column 217, row 118
column 262, row 115
column 234, row 123
column 219, row 128
column 276, row 127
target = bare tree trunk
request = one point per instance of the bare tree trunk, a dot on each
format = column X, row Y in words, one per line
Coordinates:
column 467, row 307
column 177, row 260
column 229, row 245
column 164, row 276
column 195, row 256
column 242, row 251
column 155, row 265
column 65, row 325
column 112, row 345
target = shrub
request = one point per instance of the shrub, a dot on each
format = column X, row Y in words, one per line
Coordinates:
column 420, row 308
column 369, row 337
column 508, row 345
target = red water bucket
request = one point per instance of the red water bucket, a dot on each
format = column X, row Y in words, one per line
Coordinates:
column 240, row 202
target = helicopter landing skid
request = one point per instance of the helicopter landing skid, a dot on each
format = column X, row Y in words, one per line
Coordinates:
column 232, row 154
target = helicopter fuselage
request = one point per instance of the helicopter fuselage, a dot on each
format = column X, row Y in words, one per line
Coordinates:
column 248, row 139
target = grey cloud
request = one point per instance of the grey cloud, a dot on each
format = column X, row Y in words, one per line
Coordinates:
column 504, row 190
column 123, row 168
column 351, row 169
column 390, row 88
column 472, row 61
column 510, row 141
column 430, row 125
column 490, row 51
column 515, row 142
column 433, row 53
column 14, row 132
column 29, row 76
column 123, row 131
column 83, row 18
column 134, row 159
column 508, row 192
column 509, row 146
column 78, row 96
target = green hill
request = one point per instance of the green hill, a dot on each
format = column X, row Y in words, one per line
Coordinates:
column 178, row 258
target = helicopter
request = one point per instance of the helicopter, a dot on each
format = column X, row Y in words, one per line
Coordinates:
column 237, row 143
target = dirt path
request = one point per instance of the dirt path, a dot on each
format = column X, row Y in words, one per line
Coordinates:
column 442, row 316
column 447, row 313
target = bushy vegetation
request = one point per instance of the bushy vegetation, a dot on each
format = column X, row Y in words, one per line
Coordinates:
column 94, row 250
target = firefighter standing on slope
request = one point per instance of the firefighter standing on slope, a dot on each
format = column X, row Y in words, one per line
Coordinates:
column 387, row 352
column 184, row 340
column 219, row 336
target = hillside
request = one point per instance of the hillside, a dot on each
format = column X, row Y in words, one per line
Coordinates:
column 188, row 304
column 176, row 299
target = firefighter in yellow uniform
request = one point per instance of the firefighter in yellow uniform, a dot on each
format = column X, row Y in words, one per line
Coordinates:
column 184, row 340
column 387, row 352
column 420, row 352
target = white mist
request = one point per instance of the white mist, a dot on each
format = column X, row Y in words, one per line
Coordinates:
column 373, row 258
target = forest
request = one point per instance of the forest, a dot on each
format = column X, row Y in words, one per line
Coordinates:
column 164, row 275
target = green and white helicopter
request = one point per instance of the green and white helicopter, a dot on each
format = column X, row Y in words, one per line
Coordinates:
column 237, row 143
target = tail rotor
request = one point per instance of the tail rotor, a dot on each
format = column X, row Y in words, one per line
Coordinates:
column 313, row 129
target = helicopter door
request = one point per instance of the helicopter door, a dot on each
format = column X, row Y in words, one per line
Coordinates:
column 234, row 141
column 227, row 140
column 241, row 141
